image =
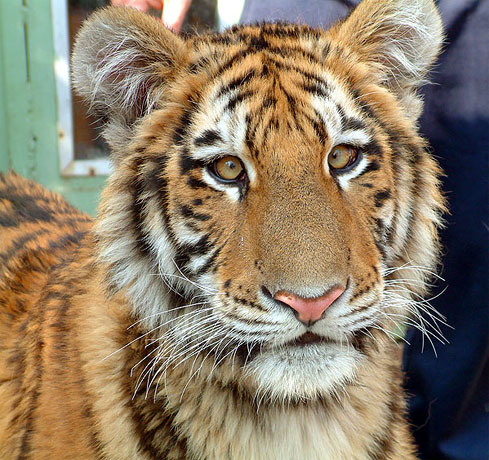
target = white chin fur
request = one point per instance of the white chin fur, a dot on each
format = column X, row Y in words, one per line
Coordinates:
column 301, row 373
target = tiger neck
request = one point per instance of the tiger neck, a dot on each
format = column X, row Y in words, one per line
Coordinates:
column 218, row 418
column 191, row 415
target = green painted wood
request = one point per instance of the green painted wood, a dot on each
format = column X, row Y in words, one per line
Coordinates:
column 27, row 85
column 16, row 86
column 83, row 192
column 4, row 153
column 42, row 92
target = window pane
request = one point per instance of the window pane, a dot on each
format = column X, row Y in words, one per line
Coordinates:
column 88, row 141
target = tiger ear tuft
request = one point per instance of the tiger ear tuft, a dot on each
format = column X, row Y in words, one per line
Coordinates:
column 398, row 39
column 122, row 60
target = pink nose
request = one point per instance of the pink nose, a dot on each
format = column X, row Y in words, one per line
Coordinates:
column 309, row 309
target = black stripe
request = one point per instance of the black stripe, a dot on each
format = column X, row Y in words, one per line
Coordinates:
column 220, row 39
column 315, row 88
column 381, row 196
column 209, row 263
column 353, row 124
column 94, row 441
column 236, row 99
column 185, row 251
column 266, row 131
column 361, row 336
column 269, row 101
column 200, row 247
column 26, row 209
column 286, row 30
column 136, row 187
column 196, row 183
column 250, row 135
column 380, row 248
column 318, row 128
column 208, row 137
column 373, row 149
column 257, row 43
column 349, row 122
column 326, row 50
column 33, row 395
column 236, row 82
column 58, row 243
column 293, row 106
column 288, row 52
column 188, row 212
column 379, row 225
column 145, row 413
column 20, row 242
column 187, row 163
column 199, row 64
column 154, row 174
column 236, row 58
column 308, row 75
column 181, row 129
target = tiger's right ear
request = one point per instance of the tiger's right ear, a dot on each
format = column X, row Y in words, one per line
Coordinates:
column 399, row 40
column 122, row 60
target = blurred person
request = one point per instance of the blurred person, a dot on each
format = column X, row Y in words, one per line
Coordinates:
column 449, row 407
column 173, row 11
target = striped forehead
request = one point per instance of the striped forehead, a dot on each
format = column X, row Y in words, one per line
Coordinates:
column 231, row 105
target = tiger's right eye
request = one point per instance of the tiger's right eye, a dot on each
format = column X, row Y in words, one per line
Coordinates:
column 342, row 157
column 228, row 169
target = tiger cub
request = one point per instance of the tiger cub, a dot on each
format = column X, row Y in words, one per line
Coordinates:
column 271, row 215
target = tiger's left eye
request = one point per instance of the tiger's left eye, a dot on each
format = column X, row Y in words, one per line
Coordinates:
column 228, row 168
column 342, row 157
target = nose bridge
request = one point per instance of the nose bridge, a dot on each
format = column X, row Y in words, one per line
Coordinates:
column 303, row 236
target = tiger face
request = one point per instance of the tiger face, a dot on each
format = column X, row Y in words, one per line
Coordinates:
column 269, row 185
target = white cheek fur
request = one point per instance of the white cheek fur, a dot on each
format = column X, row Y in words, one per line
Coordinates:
column 345, row 178
column 231, row 190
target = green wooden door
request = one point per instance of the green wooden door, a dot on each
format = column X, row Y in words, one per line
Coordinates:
column 28, row 102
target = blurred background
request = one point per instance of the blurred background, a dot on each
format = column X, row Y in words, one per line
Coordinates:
column 45, row 132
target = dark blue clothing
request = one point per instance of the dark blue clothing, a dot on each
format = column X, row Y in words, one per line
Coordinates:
column 449, row 404
column 451, row 392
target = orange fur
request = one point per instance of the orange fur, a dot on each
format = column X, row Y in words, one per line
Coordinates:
column 154, row 333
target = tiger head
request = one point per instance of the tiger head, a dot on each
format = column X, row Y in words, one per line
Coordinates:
column 269, row 185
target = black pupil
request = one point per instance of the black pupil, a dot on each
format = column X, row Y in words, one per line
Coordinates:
column 231, row 164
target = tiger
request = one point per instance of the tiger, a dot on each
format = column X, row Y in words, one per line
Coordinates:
column 271, row 218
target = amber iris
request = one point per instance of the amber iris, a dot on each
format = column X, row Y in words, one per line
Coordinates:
column 342, row 157
column 228, row 168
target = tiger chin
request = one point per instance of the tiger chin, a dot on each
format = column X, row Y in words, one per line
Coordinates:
column 271, row 217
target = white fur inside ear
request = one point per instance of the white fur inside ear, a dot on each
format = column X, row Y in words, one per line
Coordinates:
column 123, row 60
column 401, row 38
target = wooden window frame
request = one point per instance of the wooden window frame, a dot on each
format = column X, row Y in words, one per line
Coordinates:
column 68, row 164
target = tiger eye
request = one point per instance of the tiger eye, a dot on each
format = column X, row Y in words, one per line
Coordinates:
column 342, row 156
column 228, row 168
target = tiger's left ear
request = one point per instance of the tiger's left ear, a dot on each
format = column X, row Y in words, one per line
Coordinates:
column 398, row 39
column 123, row 62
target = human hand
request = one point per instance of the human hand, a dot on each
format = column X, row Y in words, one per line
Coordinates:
column 173, row 11
column 142, row 5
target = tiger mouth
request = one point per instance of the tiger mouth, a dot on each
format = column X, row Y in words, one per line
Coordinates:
column 308, row 338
